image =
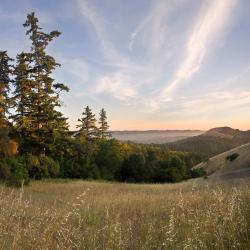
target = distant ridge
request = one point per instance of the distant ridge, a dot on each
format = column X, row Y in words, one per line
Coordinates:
column 223, row 132
column 214, row 141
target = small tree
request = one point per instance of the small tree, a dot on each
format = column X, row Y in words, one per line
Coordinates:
column 87, row 127
column 103, row 128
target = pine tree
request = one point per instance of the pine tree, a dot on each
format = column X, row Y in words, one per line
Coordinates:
column 5, row 81
column 87, row 127
column 47, row 122
column 103, row 128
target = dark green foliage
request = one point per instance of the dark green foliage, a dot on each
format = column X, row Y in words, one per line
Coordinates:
column 108, row 158
column 33, row 164
column 198, row 172
column 113, row 160
column 52, row 167
column 174, row 175
column 41, row 166
column 5, row 170
column 173, row 169
column 89, row 170
column 232, row 157
column 133, row 169
column 19, row 174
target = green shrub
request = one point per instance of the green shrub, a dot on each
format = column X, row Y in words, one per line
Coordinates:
column 35, row 169
column 232, row 157
column 4, row 170
column 52, row 167
column 41, row 166
column 198, row 172
column 19, row 174
column 174, row 174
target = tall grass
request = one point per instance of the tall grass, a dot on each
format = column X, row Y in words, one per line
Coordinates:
column 90, row 215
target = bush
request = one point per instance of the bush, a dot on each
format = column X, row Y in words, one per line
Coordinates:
column 133, row 169
column 41, row 166
column 174, row 174
column 109, row 159
column 34, row 167
column 19, row 174
column 198, row 172
column 232, row 157
column 52, row 167
column 4, row 170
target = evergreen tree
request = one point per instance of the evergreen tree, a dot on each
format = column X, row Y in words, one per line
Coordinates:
column 103, row 128
column 47, row 122
column 5, row 81
column 87, row 127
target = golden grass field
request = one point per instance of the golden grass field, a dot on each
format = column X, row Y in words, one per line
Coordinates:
column 198, row 214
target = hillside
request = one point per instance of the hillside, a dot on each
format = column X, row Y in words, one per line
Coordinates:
column 154, row 136
column 230, row 164
column 213, row 142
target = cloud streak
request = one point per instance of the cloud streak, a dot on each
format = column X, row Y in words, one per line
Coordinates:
column 112, row 56
column 152, row 25
column 117, row 85
column 209, row 26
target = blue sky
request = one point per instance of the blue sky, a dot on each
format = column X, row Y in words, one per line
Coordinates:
column 155, row 64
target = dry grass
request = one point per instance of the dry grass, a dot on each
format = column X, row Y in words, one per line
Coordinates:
column 91, row 215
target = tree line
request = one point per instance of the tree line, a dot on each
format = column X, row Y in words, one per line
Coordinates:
column 35, row 141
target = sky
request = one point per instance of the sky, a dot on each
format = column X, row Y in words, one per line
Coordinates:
column 154, row 64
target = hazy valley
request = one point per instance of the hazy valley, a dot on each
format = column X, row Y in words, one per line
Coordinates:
column 154, row 136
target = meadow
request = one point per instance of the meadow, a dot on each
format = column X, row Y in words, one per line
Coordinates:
column 64, row 214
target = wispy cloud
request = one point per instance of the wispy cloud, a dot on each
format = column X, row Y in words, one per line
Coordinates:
column 154, row 32
column 207, row 28
column 128, row 75
column 78, row 67
column 216, row 102
column 152, row 24
column 116, row 85
column 110, row 53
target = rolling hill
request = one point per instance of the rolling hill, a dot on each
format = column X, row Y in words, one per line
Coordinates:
column 213, row 142
column 234, row 163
